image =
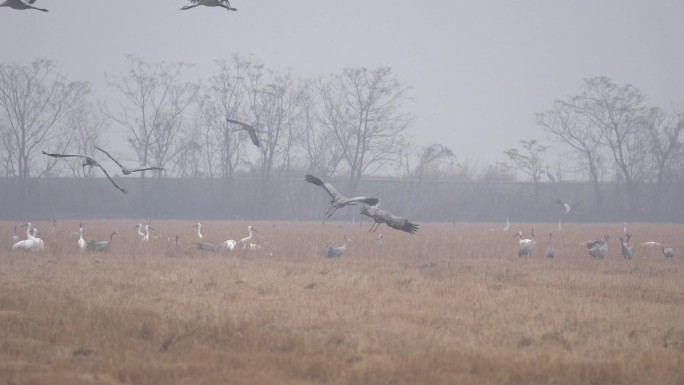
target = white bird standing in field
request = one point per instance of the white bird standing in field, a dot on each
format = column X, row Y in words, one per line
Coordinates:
column 508, row 225
column 144, row 237
column 20, row 5
column 526, row 245
column 199, row 230
column 229, row 244
column 81, row 242
column 249, row 237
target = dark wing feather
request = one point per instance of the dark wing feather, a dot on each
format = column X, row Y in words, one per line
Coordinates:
column 401, row 223
column 112, row 180
column 249, row 129
column 148, row 168
column 65, row 155
column 325, row 185
column 111, row 157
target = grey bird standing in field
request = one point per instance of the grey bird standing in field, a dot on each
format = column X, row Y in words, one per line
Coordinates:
column 598, row 248
column 626, row 249
column 101, row 246
column 550, row 251
column 338, row 200
column 668, row 252
column 337, row 251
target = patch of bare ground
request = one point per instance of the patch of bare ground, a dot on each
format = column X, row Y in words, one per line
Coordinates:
column 450, row 304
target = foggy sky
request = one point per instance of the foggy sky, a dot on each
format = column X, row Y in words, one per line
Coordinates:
column 480, row 70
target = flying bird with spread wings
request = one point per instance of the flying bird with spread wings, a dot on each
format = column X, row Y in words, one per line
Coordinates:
column 209, row 3
column 381, row 216
column 566, row 207
column 20, row 5
column 250, row 130
column 338, row 200
column 128, row 171
column 88, row 161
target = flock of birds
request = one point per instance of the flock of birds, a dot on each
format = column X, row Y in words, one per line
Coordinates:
column 24, row 5
column 597, row 248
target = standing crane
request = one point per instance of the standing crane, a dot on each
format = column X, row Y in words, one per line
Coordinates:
column 20, row 5
column 598, row 248
column 199, row 230
column 81, row 242
column 626, row 249
column 550, row 250
column 336, row 251
column 100, row 246
column 88, row 161
column 338, row 200
column 526, row 245
column 668, row 252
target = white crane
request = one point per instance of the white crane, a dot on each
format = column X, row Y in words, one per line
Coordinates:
column 88, row 162
column 129, row 171
column 246, row 127
column 550, row 250
column 229, row 244
column 526, row 246
column 508, row 225
column 144, row 237
column 81, row 242
column 598, row 248
column 247, row 238
column 336, row 251
column 651, row 244
column 381, row 216
column 31, row 243
column 624, row 227
column 626, row 249
column 20, row 5
column 100, row 246
column 199, row 230
column 559, row 226
column 338, row 200
column 209, row 3
column 668, row 252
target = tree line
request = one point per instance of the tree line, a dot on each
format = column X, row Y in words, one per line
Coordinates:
column 351, row 124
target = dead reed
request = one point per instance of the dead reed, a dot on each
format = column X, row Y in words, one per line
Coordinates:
column 450, row 304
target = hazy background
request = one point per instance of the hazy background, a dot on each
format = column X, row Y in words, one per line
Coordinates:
column 479, row 69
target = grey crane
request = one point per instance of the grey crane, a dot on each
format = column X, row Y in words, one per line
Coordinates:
column 381, row 216
column 566, row 207
column 101, row 246
column 668, row 252
column 20, row 5
column 250, row 130
column 129, row 171
column 526, row 245
column 336, row 251
column 206, row 246
column 598, row 248
column 210, row 3
column 550, row 250
column 626, row 249
column 88, row 161
column 338, row 200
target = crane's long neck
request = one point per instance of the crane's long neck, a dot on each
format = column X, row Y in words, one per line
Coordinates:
column 199, row 232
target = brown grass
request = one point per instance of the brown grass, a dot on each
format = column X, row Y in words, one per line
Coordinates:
column 447, row 305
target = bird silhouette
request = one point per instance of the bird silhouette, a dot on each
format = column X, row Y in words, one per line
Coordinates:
column 128, row 171
column 88, row 161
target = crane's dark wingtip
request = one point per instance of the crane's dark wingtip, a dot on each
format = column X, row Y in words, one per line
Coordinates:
column 312, row 179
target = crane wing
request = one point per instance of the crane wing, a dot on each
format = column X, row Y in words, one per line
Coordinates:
column 111, row 157
column 325, row 185
column 366, row 200
column 252, row 132
column 148, row 168
column 401, row 223
column 65, row 155
column 112, row 180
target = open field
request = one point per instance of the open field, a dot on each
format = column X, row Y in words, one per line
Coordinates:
column 450, row 304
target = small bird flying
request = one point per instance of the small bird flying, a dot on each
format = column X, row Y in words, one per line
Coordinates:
column 88, row 161
column 20, row 5
column 338, row 200
column 209, row 3
column 250, row 130
column 566, row 207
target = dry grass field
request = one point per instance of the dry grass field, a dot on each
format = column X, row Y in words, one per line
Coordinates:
column 450, row 304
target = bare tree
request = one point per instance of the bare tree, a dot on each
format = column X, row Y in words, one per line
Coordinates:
column 617, row 111
column 529, row 161
column 33, row 99
column 567, row 125
column 663, row 131
column 431, row 159
column 154, row 99
column 361, row 108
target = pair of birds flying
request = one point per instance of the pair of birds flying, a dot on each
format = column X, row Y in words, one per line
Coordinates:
column 89, row 161
column 380, row 216
column 21, row 5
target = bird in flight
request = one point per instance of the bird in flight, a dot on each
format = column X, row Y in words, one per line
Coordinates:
column 88, row 161
column 20, row 5
column 566, row 207
column 128, row 171
column 338, row 200
column 209, row 3
column 250, row 130
column 381, row 216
